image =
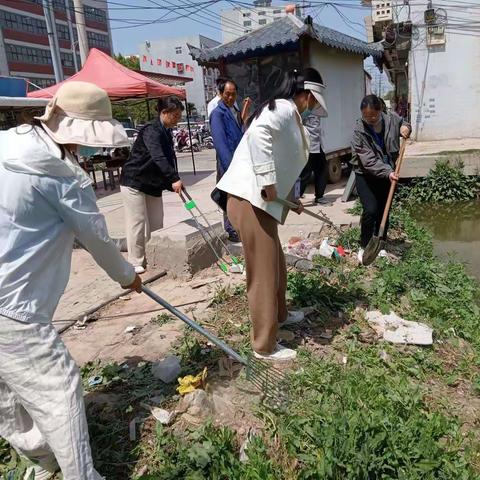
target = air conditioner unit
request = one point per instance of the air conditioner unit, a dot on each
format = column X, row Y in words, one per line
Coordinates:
column 436, row 35
column 382, row 11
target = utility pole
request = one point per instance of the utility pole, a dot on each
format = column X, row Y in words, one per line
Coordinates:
column 81, row 30
column 53, row 40
column 70, row 32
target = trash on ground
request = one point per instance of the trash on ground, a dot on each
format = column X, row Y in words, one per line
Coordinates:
column 395, row 329
column 132, row 329
column 237, row 268
column 132, row 428
column 327, row 334
column 167, row 370
column 243, row 449
column 96, row 380
column 189, row 383
column 163, row 416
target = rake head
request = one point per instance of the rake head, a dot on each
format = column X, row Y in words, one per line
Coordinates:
column 269, row 380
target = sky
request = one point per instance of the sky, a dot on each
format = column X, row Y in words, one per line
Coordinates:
column 134, row 21
column 204, row 19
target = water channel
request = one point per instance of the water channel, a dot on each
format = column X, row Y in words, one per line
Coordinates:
column 456, row 231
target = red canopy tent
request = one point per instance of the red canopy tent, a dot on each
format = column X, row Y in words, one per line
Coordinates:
column 118, row 81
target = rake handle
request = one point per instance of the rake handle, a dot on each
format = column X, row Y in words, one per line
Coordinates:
column 393, row 186
column 212, row 338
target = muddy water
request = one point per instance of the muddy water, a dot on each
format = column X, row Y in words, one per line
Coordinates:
column 456, row 231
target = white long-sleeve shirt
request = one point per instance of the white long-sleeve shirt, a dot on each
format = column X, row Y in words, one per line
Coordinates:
column 45, row 202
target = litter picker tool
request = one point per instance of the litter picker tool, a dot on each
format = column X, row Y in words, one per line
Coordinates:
column 377, row 242
column 323, row 218
column 208, row 234
column 263, row 376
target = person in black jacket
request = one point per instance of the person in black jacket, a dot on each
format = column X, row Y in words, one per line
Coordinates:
column 150, row 169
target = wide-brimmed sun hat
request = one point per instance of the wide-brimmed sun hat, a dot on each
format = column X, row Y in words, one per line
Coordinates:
column 80, row 113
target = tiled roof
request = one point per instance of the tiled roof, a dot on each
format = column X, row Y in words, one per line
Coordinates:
column 287, row 30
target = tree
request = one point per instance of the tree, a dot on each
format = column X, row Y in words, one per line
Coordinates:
column 136, row 109
column 191, row 109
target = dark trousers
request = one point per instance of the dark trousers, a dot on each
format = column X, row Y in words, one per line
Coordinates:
column 317, row 163
column 373, row 193
column 228, row 227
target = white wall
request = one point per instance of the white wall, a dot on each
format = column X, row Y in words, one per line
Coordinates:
column 445, row 81
column 165, row 49
column 344, row 77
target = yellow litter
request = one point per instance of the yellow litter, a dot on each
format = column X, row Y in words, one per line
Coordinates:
column 190, row 383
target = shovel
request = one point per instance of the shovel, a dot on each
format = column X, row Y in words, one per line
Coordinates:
column 377, row 243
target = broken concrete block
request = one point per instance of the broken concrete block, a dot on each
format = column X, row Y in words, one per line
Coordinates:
column 395, row 329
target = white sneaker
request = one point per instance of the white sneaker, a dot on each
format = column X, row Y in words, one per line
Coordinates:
column 293, row 317
column 280, row 354
column 139, row 269
column 383, row 254
column 36, row 472
column 360, row 256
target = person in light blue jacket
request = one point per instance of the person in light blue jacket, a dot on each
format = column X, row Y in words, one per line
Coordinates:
column 46, row 201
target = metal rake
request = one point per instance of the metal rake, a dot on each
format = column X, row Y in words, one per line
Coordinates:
column 208, row 234
column 270, row 381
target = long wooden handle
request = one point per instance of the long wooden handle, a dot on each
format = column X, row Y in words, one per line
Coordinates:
column 392, row 189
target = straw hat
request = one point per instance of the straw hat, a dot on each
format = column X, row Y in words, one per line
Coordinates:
column 80, row 113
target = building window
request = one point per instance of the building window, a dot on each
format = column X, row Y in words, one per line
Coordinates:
column 22, row 23
column 246, row 14
column 18, row 53
column 95, row 14
column 178, row 50
column 276, row 12
column 247, row 23
column 62, row 32
column 67, row 60
column 97, row 40
column 262, row 13
column 263, row 21
column 41, row 82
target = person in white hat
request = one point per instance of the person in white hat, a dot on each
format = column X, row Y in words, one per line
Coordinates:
column 46, row 201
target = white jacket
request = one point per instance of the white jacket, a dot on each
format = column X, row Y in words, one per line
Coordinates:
column 44, row 203
column 273, row 151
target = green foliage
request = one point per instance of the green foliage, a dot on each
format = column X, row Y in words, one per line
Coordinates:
column 132, row 62
column 357, row 208
column 360, row 421
column 209, row 453
column 350, row 238
column 445, row 183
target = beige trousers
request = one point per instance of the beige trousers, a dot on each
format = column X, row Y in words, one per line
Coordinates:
column 266, row 271
column 143, row 215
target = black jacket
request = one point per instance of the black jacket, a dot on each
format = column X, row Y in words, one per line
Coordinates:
column 150, row 168
column 367, row 156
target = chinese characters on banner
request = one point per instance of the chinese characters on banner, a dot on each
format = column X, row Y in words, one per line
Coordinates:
column 178, row 67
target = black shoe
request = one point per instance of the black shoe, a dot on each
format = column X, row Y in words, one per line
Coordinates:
column 322, row 201
column 234, row 239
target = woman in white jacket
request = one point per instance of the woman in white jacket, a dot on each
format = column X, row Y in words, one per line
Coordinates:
column 265, row 166
column 46, row 201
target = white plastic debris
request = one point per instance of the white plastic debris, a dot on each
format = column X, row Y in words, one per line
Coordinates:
column 167, row 370
column 163, row 416
column 132, row 329
column 395, row 329
column 326, row 250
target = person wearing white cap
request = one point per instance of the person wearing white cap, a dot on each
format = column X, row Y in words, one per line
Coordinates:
column 46, row 201
column 265, row 166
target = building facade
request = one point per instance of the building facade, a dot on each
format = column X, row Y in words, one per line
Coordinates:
column 242, row 20
column 432, row 59
column 170, row 56
column 24, row 46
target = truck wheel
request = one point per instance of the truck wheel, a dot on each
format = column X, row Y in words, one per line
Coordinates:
column 334, row 170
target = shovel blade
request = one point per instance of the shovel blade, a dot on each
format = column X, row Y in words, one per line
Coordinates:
column 372, row 250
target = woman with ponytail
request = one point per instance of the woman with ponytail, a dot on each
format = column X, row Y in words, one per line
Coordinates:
column 265, row 166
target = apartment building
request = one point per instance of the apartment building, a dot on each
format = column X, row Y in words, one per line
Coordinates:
column 24, row 46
